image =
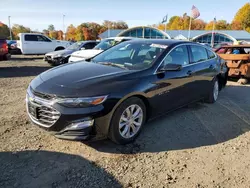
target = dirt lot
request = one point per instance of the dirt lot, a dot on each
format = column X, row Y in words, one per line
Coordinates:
column 201, row 145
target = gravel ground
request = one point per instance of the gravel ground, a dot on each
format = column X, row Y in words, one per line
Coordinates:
column 200, row 145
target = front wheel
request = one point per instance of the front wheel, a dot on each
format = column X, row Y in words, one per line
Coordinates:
column 127, row 121
column 214, row 92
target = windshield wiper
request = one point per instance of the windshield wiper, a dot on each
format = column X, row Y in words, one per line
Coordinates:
column 113, row 65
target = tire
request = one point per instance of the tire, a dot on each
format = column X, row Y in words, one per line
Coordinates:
column 51, row 63
column 6, row 57
column 214, row 92
column 115, row 133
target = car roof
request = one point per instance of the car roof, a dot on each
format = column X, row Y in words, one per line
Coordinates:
column 120, row 38
column 165, row 41
column 85, row 41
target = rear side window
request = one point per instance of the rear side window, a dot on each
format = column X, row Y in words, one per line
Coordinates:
column 30, row 38
column 210, row 54
column 198, row 54
column 90, row 45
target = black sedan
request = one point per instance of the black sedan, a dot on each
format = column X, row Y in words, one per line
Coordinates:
column 62, row 56
column 116, row 92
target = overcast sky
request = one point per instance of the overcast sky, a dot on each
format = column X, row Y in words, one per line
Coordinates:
column 39, row 14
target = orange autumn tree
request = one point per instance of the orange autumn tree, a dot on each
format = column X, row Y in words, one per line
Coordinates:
column 71, row 33
column 86, row 33
column 59, row 35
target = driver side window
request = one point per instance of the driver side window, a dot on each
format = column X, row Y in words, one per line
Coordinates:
column 178, row 56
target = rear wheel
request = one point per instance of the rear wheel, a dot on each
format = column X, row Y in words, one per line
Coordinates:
column 127, row 121
column 214, row 92
column 6, row 57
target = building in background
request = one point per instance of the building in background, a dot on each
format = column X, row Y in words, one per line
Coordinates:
column 201, row 36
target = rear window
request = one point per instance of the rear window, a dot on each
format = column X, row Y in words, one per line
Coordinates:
column 210, row 54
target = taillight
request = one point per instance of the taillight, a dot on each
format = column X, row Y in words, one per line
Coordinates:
column 5, row 45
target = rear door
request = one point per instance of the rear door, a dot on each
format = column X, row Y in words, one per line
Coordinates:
column 45, row 44
column 173, row 89
column 203, row 69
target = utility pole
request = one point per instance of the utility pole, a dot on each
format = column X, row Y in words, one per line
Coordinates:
column 10, row 28
column 63, row 28
column 212, row 37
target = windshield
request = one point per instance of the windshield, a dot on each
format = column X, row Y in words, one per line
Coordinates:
column 105, row 44
column 131, row 55
column 75, row 46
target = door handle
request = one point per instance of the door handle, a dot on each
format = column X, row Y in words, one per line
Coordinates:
column 189, row 73
column 211, row 67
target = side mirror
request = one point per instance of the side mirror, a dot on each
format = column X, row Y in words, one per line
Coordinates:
column 171, row 67
column 82, row 48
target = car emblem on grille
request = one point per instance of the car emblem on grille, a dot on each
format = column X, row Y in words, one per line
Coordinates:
column 31, row 99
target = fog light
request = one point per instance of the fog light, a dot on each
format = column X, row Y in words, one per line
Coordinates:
column 79, row 125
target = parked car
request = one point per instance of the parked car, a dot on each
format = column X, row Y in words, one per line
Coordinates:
column 103, row 45
column 4, row 53
column 217, row 46
column 62, row 56
column 237, row 58
column 35, row 43
column 12, row 47
column 117, row 91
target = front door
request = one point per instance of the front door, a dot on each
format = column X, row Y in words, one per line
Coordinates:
column 30, row 44
column 173, row 89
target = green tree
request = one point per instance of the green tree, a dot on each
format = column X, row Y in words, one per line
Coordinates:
column 219, row 25
column 16, row 29
column 51, row 27
column 171, row 20
column 243, row 17
column 222, row 25
column 177, row 24
column 4, row 30
column 53, row 34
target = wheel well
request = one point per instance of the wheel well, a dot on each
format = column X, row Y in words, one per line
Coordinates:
column 222, row 80
column 59, row 48
column 145, row 101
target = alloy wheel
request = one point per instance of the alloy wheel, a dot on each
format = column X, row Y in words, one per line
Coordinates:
column 216, row 90
column 131, row 121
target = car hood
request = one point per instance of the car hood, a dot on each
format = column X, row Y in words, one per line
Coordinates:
column 61, row 52
column 78, row 78
column 86, row 53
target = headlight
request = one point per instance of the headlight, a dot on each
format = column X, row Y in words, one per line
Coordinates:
column 82, row 102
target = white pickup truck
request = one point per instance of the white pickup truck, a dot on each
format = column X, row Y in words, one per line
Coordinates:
column 35, row 43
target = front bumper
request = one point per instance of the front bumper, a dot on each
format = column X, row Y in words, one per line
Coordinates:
column 55, row 60
column 67, row 123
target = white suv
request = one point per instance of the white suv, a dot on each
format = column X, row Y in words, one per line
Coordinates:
column 103, row 45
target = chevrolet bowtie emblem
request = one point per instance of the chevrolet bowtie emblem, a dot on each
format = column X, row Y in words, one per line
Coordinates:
column 31, row 99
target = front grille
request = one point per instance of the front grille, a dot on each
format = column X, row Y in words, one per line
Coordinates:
column 40, row 110
column 48, row 58
column 43, row 115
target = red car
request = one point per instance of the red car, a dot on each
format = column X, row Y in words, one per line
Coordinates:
column 4, row 52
